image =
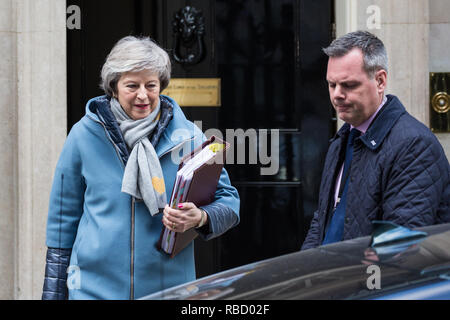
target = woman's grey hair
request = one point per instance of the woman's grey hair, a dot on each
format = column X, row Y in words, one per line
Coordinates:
column 132, row 54
column 374, row 52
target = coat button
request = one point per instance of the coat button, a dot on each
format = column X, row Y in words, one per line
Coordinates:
column 347, row 219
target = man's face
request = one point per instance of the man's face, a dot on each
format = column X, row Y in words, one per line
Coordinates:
column 353, row 94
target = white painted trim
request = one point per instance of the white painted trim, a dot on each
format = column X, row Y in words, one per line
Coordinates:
column 41, row 131
column 346, row 16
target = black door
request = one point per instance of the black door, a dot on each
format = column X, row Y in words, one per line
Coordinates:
column 267, row 55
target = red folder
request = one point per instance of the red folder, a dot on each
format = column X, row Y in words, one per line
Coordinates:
column 201, row 191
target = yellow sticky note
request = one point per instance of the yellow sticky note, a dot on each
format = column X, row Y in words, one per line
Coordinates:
column 215, row 147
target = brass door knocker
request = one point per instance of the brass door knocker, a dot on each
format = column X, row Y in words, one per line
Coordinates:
column 188, row 31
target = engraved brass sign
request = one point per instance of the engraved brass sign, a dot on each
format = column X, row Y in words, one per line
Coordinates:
column 194, row 92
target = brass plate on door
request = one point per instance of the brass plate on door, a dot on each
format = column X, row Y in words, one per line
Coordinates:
column 440, row 101
column 194, row 92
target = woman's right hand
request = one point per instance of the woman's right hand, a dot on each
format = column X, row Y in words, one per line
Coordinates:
column 179, row 220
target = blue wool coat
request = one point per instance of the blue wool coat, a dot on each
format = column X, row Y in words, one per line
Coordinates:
column 399, row 173
column 113, row 237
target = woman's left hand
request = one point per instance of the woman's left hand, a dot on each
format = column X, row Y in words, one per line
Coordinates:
column 185, row 217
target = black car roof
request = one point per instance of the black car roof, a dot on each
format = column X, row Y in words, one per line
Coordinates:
column 336, row 271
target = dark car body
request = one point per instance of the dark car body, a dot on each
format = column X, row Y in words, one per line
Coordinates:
column 413, row 267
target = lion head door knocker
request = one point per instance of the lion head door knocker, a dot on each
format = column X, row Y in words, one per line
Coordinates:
column 188, row 31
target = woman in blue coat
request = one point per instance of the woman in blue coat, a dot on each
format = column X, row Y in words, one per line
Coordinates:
column 113, row 180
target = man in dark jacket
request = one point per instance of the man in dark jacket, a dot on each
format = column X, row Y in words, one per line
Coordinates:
column 395, row 169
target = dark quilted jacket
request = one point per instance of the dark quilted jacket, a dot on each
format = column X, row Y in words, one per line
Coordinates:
column 57, row 261
column 399, row 173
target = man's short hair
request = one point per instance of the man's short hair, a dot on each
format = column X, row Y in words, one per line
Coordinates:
column 374, row 52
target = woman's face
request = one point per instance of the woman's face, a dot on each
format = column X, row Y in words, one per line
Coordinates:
column 138, row 93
